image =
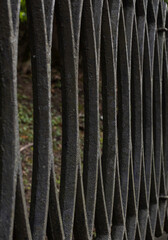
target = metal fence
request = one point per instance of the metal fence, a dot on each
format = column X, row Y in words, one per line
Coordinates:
column 119, row 194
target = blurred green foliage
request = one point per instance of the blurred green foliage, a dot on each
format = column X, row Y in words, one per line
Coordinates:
column 23, row 12
column 166, row 1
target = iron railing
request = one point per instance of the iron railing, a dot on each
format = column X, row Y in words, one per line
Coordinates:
column 123, row 193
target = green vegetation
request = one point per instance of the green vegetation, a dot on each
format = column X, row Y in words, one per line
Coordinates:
column 23, row 12
column 25, row 119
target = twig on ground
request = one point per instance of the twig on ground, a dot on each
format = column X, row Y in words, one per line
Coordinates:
column 26, row 146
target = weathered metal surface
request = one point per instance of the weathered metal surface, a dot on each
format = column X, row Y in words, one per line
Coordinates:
column 121, row 193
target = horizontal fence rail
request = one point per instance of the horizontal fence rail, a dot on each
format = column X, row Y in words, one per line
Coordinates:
column 119, row 190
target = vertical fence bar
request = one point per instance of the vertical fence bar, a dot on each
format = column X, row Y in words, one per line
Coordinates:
column 9, row 142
